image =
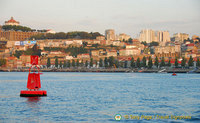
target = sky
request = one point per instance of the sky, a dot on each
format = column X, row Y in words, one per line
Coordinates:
column 124, row 16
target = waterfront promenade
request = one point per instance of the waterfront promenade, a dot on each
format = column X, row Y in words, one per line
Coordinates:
column 164, row 70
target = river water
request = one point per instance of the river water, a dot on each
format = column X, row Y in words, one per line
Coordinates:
column 98, row 97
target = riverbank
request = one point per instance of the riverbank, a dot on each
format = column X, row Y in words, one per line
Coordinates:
column 178, row 70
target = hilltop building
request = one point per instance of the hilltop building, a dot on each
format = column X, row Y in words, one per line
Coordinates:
column 110, row 34
column 12, row 22
column 16, row 35
column 12, row 35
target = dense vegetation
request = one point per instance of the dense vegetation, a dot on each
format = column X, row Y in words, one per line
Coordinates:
column 16, row 28
column 112, row 62
column 73, row 51
column 2, row 62
column 20, row 28
column 30, row 51
column 69, row 35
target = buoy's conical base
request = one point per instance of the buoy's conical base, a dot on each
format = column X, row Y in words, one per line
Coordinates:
column 25, row 93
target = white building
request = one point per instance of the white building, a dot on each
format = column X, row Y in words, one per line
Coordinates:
column 147, row 35
column 180, row 37
column 163, row 36
column 123, row 36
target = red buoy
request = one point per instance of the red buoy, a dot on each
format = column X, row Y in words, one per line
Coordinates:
column 33, row 83
column 174, row 74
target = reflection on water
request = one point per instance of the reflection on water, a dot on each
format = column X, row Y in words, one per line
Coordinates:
column 97, row 97
column 33, row 99
column 33, row 102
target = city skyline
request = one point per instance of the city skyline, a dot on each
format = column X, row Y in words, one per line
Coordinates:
column 128, row 16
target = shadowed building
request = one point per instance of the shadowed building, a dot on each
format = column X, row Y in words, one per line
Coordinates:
column 16, row 35
column 110, row 34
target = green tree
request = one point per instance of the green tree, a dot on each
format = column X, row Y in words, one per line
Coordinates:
column 106, row 62
column 50, row 36
column 153, row 43
column 144, row 43
column 144, row 61
column 138, row 63
column 125, row 64
column 132, row 63
column 77, row 62
column 96, row 63
column 2, row 62
column 48, row 62
column 95, row 34
column 18, row 53
column 68, row 64
column 61, row 64
column 73, row 63
column 29, row 51
column 198, row 62
column 16, row 28
column 100, row 62
column 162, row 64
column 176, row 62
column 150, row 63
column 82, row 35
column 116, row 63
column 111, row 61
column 56, row 62
column 60, row 35
column 65, row 64
column 183, row 62
column 121, row 64
column 130, row 40
column 91, row 62
column 86, row 63
column 169, row 63
column 36, row 50
column 156, row 62
column 73, row 51
column 82, row 63
column 190, row 62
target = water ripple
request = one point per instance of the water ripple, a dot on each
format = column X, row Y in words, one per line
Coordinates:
column 97, row 97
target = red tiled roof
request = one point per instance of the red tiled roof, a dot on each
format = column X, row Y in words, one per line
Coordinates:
column 12, row 21
column 190, row 44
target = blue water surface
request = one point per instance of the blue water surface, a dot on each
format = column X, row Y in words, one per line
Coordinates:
column 98, row 97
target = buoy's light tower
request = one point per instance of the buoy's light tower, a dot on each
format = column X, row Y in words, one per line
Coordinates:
column 33, row 83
